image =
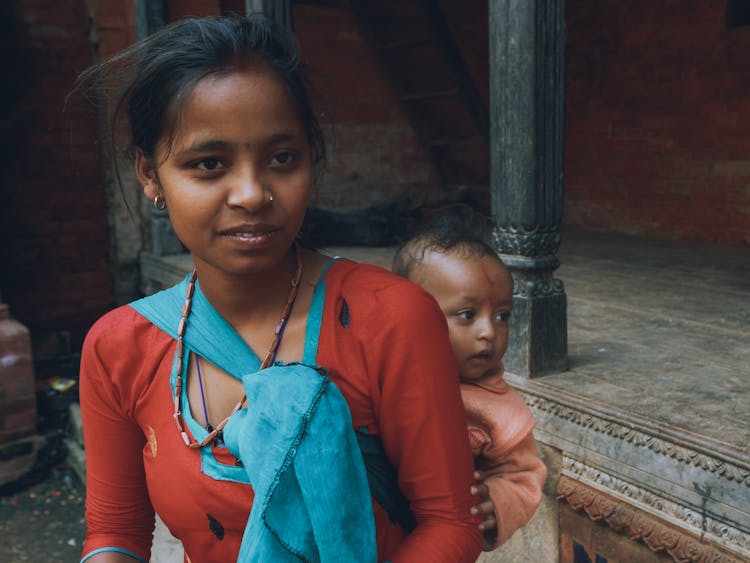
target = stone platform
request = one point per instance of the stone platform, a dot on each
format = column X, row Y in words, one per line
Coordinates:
column 648, row 432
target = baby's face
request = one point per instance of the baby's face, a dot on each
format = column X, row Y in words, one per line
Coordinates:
column 476, row 296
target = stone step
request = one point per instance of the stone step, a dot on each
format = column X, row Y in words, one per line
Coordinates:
column 76, row 459
column 76, row 426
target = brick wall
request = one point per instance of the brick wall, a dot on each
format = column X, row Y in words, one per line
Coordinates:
column 176, row 9
column 113, row 25
column 374, row 155
column 658, row 114
column 657, row 121
column 53, row 217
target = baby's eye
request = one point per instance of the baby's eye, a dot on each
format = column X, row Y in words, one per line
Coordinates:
column 502, row 316
column 466, row 314
column 208, row 164
column 283, row 158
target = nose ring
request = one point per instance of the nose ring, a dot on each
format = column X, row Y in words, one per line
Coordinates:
column 270, row 197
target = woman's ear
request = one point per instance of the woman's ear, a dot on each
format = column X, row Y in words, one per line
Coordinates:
column 146, row 173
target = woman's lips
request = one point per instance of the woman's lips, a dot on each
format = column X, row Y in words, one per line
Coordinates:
column 251, row 237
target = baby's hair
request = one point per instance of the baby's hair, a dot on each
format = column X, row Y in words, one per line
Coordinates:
column 453, row 229
column 151, row 80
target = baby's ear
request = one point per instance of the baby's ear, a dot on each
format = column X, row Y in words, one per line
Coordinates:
column 146, row 173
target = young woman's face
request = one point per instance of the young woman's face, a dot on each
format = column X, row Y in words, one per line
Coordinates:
column 476, row 296
column 237, row 176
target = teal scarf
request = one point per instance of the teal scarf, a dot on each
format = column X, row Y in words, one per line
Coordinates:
column 295, row 440
column 312, row 501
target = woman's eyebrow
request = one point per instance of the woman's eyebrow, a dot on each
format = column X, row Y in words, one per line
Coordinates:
column 282, row 137
column 209, row 145
column 214, row 144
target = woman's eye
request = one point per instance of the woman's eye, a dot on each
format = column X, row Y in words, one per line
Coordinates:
column 466, row 315
column 502, row 316
column 282, row 158
column 208, row 164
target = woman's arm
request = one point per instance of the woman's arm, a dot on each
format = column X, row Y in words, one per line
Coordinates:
column 119, row 516
column 423, row 429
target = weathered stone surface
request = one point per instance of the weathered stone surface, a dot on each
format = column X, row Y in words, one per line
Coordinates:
column 76, row 459
column 76, row 426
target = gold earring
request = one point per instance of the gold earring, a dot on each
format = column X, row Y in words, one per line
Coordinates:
column 159, row 202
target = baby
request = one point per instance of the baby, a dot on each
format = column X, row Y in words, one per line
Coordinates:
column 474, row 289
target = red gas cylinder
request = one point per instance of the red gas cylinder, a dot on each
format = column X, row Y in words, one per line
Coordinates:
column 18, row 445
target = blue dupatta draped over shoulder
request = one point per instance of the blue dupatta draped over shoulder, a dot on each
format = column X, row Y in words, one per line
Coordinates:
column 295, row 440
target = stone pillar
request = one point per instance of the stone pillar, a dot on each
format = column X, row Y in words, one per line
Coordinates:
column 527, row 56
column 149, row 17
column 278, row 10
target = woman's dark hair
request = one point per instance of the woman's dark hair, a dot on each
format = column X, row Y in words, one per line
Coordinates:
column 153, row 78
column 453, row 228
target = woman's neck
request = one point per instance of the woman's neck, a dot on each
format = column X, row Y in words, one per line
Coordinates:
column 238, row 298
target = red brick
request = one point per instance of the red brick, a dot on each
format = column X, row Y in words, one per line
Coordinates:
column 56, row 186
column 654, row 100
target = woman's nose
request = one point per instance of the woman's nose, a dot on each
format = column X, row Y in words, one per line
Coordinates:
column 246, row 189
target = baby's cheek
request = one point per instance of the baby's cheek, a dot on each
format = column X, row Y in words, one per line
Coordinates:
column 458, row 339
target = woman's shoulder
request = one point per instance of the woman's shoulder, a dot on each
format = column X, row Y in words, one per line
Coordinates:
column 121, row 320
column 123, row 351
column 122, row 355
column 388, row 302
column 369, row 278
column 122, row 328
column 378, row 289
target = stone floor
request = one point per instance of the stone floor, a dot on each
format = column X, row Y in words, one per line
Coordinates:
column 661, row 330
column 657, row 330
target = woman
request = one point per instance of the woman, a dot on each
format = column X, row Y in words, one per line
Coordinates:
column 180, row 415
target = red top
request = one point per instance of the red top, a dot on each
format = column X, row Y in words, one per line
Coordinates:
column 393, row 364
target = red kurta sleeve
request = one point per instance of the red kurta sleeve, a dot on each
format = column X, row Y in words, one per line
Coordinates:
column 119, row 515
column 423, row 426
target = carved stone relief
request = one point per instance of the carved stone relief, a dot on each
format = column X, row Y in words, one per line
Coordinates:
column 641, row 439
column 662, row 524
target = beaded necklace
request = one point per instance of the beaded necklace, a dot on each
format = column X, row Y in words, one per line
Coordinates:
column 267, row 360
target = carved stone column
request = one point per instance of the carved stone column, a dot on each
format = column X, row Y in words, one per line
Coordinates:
column 278, row 10
column 149, row 17
column 527, row 55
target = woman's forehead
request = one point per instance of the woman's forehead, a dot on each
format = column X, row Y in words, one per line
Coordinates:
column 248, row 105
